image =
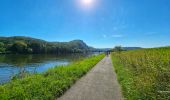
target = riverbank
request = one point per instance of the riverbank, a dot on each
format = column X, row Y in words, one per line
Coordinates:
column 144, row 74
column 50, row 84
column 12, row 65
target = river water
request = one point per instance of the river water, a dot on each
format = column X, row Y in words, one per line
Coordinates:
column 12, row 64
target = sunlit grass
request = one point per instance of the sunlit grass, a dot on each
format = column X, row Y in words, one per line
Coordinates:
column 144, row 74
column 47, row 85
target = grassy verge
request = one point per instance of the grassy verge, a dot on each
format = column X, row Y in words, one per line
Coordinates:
column 47, row 85
column 144, row 74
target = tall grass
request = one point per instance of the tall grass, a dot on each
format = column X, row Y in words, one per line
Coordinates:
column 144, row 74
column 47, row 85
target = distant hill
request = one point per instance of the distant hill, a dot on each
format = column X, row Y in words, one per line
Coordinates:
column 124, row 48
column 19, row 38
column 20, row 44
column 131, row 48
column 101, row 49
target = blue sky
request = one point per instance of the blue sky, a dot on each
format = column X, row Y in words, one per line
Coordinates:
column 105, row 23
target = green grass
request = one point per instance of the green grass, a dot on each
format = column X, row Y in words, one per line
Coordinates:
column 144, row 74
column 48, row 85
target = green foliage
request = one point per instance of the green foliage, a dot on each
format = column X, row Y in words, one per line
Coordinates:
column 19, row 47
column 118, row 49
column 1, row 44
column 2, row 48
column 29, row 50
column 144, row 74
column 47, row 85
column 31, row 45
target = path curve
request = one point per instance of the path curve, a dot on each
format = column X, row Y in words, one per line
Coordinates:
column 98, row 84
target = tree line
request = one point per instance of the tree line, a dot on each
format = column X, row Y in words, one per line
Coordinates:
column 31, row 45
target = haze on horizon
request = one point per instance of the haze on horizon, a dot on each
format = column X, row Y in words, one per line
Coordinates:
column 99, row 23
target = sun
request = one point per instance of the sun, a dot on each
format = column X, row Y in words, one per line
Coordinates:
column 87, row 2
column 87, row 5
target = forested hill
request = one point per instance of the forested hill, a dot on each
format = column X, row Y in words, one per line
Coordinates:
column 19, row 44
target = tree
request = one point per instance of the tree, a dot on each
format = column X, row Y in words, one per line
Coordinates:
column 1, row 44
column 29, row 50
column 37, row 47
column 31, row 45
column 118, row 48
column 19, row 47
column 2, row 49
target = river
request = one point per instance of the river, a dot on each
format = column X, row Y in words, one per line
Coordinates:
column 12, row 64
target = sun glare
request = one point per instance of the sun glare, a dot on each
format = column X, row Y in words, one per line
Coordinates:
column 87, row 3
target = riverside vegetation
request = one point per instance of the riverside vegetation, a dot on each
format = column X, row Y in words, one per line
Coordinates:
column 47, row 85
column 144, row 74
column 28, row 45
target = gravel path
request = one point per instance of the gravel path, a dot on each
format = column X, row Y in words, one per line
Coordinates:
column 98, row 84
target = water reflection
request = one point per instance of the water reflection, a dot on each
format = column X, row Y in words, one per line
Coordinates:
column 11, row 64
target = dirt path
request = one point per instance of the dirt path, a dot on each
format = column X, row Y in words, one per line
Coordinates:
column 98, row 84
